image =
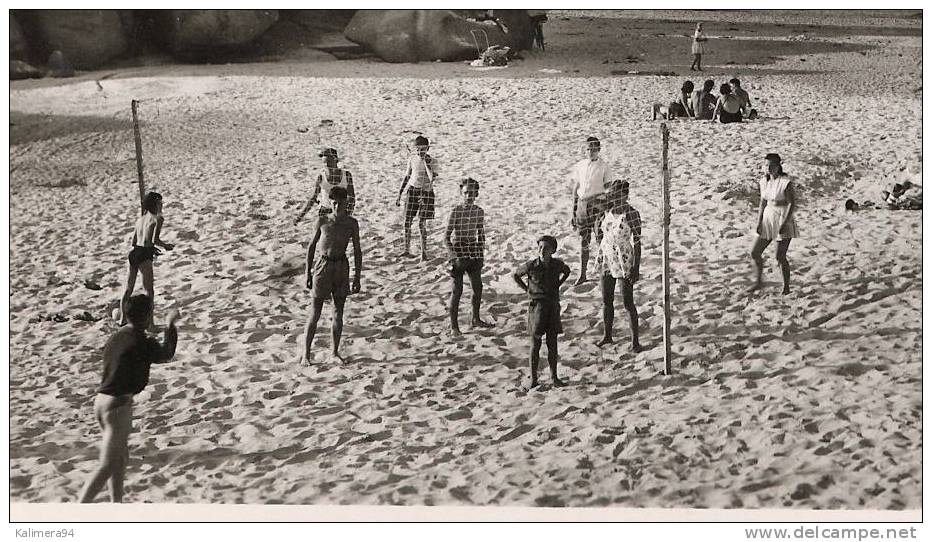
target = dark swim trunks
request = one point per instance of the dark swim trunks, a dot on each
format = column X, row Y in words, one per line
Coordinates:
column 543, row 317
column 725, row 117
column 331, row 278
column 140, row 254
column 420, row 202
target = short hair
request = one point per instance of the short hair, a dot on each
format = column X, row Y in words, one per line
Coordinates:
column 469, row 181
column 337, row 193
column 725, row 89
column 708, row 85
column 688, row 86
column 593, row 142
column 421, row 140
column 734, row 81
column 622, row 185
column 150, row 202
column 137, row 310
column 550, row 240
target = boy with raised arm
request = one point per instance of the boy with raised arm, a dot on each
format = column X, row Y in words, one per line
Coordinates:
column 330, row 176
column 465, row 240
column 127, row 357
column 545, row 274
column 327, row 275
column 420, row 174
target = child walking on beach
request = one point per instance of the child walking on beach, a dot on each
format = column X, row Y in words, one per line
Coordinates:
column 465, row 240
column 420, row 174
column 145, row 248
column 328, row 275
column 545, row 274
column 127, row 358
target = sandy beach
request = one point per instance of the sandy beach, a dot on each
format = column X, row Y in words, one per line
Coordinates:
column 810, row 401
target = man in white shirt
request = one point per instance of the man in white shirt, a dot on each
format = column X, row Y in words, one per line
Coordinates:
column 591, row 177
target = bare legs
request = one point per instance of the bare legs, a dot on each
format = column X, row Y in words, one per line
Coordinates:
column 552, row 355
column 608, row 310
column 116, row 424
column 422, row 227
column 336, row 327
column 585, row 237
column 697, row 63
column 475, row 281
column 757, row 255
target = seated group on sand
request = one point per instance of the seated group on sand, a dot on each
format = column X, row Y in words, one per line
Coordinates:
column 733, row 105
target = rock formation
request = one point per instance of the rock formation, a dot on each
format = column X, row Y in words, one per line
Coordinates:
column 189, row 32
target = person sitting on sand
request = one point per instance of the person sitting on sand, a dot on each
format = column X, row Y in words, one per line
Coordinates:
column 681, row 107
column 328, row 274
column 465, row 240
column 146, row 243
column 698, row 48
column 590, row 177
column 704, row 101
column 419, row 179
column 620, row 260
column 728, row 106
column 545, row 274
column 328, row 178
column 128, row 356
column 775, row 220
column 744, row 97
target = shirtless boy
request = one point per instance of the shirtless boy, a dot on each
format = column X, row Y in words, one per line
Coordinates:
column 127, row 358
column 465, row 240
column 328, row 274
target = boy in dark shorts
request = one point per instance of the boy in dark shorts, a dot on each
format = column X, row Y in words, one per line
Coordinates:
column 127, row 358
column 328, row 274
column 420, row 200
column 465, row 239
column 590, row 177
column 545, row 276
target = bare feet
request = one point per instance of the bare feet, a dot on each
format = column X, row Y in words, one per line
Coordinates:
column 757, row 286
column 304, row 361
column 603, row 341
column 424, row 257
column 455, row 333
column 407, row 254
column 786, row 291
column 479, row 323
column 336, row 357
column 534, row 384
column 580, row 280
column 636, row 347
column 557, row 383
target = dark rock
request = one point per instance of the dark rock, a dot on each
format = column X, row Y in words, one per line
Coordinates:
column 19, row 48
column 195, row 31
column 23, row 70
column 89, row 37
column 59, row 65
column 414, row 35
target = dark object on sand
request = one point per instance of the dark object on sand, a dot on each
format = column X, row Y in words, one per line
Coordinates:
column 851, row 205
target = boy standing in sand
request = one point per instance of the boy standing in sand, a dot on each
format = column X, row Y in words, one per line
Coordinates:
column 620, row 260
column 328, row 275
column 545, row 275
column 419, row 179
column 590, row 176
column 465, row 240
column 329, row 177
column 127, row 358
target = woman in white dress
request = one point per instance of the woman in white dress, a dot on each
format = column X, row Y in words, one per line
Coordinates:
column 698, row 48
column 775, row 219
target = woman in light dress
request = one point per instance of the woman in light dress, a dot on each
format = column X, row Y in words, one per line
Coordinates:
column 775, row 219
column 698, row 48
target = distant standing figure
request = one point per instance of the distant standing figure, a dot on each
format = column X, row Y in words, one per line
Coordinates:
column 128, row 355
column 620, row 260
column 420, row 174
column 590, row 177
column 545, row 274
column 328, row 178
column 698, row 48
column 538, row 17
column 146, row 243
column 465, row 240
column 327, row 274
column 775, row 220
column 728, row 107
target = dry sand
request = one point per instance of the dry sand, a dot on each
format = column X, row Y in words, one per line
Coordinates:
column 810, row 400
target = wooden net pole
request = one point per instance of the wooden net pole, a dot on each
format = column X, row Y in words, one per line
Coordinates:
column 665, row 226
column 142, row 183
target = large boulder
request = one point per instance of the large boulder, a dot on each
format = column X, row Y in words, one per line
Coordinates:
column 24, row 70
column 413, row 35
column 19, row 49
column 189, row 32
column 88, row 37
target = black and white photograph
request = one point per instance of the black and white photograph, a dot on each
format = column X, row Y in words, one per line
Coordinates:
column 605, row 260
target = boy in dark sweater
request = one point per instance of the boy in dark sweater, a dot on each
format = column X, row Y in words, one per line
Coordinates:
column 127, row 358
column 545, row 274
